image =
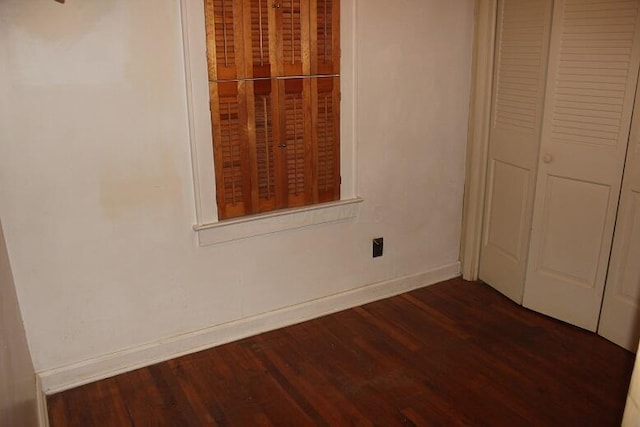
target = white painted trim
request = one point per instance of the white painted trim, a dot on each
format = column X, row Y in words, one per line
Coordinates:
column 56, row 380
column 41, row 402
column 349, row 100
column 197, row 89
column 478, row 136
column 272, row 222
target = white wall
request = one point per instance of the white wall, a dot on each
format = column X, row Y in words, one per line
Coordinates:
column 96, row 188
column 18, row 405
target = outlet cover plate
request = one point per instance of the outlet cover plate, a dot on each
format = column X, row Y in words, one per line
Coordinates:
column 378, row 246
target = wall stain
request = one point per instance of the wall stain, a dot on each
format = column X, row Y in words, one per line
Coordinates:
column 51, row 21
column 147, row 188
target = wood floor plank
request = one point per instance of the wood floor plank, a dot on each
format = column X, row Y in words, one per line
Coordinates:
column 455, row 353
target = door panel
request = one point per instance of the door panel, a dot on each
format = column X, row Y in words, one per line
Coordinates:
column 509, row 189
column 522, row 41
column 620, row 318
column 569, row 249
column 593, row 68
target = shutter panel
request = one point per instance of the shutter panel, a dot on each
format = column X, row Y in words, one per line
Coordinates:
column 258, row 28
column 292, row 33
column 296, row 117
column 225, row 52
column 327, row 137
column 275, row 124
column 324, row 33
column 265, row 136
column 231, row 154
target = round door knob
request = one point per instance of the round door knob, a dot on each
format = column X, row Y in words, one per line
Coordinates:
column 547, row 158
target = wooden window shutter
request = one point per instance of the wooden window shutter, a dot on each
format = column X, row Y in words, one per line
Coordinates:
column 275, row 103
column 292, row 37
column 231, row 148
column 296, row 141
column 225, row 38
column 263, row 141
column 258, row 24
column 326, row 132
column 325, row 40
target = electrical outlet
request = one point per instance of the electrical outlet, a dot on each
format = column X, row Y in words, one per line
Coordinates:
column 378, row 245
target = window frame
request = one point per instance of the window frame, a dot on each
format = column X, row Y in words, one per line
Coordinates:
column 210, row 228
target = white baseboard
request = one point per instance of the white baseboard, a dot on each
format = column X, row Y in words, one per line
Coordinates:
column 41, row 402
column 64, row 378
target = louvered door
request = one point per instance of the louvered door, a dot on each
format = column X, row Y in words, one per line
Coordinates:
column 620, row 316
column 275, row 102
column 593, row 71
column 521, row 62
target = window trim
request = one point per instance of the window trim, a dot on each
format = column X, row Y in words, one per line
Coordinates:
column 200, row 130
column 275, row 221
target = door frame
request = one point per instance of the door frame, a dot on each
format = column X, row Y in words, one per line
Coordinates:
column 478, row 136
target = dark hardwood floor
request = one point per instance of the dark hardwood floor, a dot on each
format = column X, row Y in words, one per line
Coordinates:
column 456, row 353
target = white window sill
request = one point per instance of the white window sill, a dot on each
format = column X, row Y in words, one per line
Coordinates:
column 272, row 222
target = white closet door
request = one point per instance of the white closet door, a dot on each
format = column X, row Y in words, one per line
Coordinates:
column 522, row 42
column 620, row 317
column 593, row 68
